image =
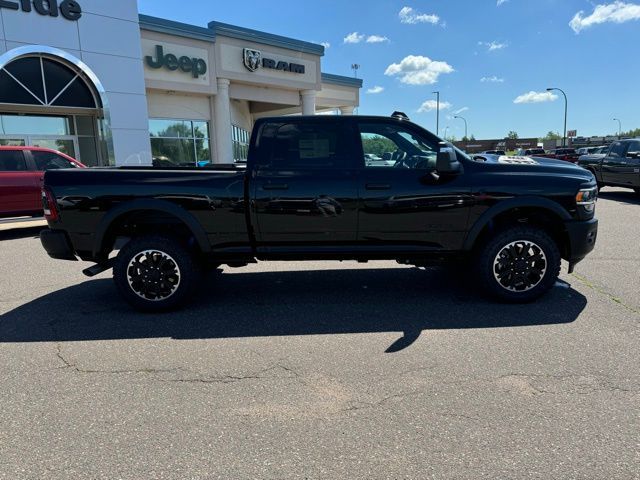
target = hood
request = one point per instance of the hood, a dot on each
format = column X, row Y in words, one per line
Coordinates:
column 532, row 165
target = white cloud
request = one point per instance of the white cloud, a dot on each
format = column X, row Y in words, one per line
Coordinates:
column 492, row 79
column 492, row 46
column 411, row 16
column 501, row 2
column 354, row 37
column 326, row 44
column 616, row 12
column 418, row 70
column 460, row 110
column 376, row 89
column 377, row 39
column 431, row 105
column 536, row 97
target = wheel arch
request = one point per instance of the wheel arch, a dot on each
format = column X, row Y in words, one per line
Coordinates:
column 515, row 210
column 118, row 214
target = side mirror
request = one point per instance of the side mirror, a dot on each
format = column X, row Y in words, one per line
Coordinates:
column 447, row 161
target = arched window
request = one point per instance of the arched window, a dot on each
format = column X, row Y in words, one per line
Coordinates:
column 40, row 80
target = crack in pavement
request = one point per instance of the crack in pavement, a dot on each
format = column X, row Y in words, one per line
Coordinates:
column 588, row 283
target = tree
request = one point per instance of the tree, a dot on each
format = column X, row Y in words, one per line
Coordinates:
column 378, row 145
column 552, row 136
column 513, row 135
column 631, row 133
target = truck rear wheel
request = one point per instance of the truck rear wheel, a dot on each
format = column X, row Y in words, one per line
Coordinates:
column 519, row 264
column 154, row 273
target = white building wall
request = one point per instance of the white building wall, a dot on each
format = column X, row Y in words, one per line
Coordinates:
column 240, row 114
column 107, row 39
column 163, row 105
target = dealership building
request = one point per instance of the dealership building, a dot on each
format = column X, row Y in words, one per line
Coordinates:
column 106, row 85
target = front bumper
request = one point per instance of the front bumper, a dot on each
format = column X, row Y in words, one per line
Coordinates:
column 582, row 240
column 57, row 244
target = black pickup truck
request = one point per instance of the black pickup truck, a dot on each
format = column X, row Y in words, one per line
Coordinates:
column 310, row 190
column 619, row 167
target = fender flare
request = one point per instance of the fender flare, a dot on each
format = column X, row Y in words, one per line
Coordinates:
column 150, row 204
column 513, row 203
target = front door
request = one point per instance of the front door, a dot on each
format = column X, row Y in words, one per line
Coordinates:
column 404, row 206
column 304, row 187
column 614, row 164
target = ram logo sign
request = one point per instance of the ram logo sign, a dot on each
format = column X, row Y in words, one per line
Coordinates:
column 252, row 59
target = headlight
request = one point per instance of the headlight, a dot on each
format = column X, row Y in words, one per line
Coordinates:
column 587, row 198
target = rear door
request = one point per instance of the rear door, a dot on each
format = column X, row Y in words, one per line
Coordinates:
column 19, row 190
column 304, row 186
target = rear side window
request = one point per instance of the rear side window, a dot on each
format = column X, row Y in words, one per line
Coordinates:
column 308, row 145
column 12, row 161
column 50, row 161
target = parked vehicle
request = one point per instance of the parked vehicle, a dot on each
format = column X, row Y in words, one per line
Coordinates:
column 596, row 154
column 619, row 167
column 306, row 193
column 21, row 176
column 493, row 152
column 531, row 152
column 591, row 150
column 566, row 154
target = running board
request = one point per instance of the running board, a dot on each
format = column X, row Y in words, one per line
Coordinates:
column 98, row 268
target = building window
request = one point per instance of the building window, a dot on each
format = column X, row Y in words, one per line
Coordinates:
column 240, row 138
column 179, row 143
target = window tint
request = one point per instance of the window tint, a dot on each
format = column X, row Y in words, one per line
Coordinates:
column 12, row 161
column 618, row 149
column 389, row 146
column 323, row 146
column 50, row 161
column 634, row 147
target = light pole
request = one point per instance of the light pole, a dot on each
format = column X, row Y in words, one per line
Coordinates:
column 437, row 113
column 446, row 129
column 465, row 125
column 566, row 107
column 619, row 127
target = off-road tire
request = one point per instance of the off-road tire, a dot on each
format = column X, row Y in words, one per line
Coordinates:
column 495, row 266
column 155, row 282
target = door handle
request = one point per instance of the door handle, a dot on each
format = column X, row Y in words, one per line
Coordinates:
column 378, row 186
column 275, row 186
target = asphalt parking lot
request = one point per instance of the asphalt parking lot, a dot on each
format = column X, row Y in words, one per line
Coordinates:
column 323, row 370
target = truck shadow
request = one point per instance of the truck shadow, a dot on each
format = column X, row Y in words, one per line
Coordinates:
column 321, row 302
column 623, row 196
column 22, row 232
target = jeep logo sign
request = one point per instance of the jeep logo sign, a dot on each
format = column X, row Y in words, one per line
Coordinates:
column 253, row 60
column 69, row 9
column 195, row 66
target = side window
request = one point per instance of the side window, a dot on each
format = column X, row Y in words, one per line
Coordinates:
column 393, row 146
column 618, row 150
column 12, row 161
column 308, row 145
column 50, row 161
column 634, row 147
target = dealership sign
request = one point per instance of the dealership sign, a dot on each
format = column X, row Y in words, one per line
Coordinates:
column 253, row 60
column 69, row 9
column 195, row 66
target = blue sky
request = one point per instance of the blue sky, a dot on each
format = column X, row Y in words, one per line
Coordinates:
column 411, row 48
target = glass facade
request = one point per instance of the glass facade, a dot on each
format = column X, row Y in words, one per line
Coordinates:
column 179, row 143
column 240, row 141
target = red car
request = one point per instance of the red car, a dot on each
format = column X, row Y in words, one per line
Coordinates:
column 21, row 175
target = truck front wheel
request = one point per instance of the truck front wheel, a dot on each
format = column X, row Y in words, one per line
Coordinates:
column 154, row 273
column 519, row 264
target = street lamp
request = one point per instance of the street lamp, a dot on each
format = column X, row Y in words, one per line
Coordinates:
column 465, row 125
column 437, row 113
column 566, row 106
column 446, row 129
column 619, row 127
